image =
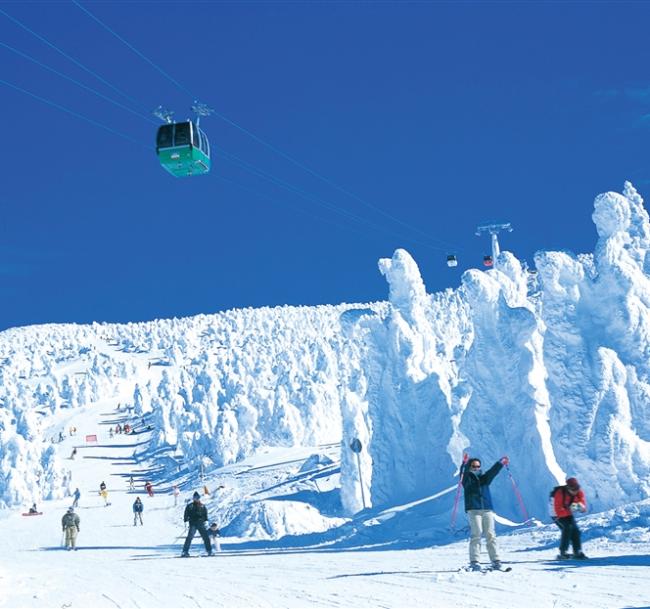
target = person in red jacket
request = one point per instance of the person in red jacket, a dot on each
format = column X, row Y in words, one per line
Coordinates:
column 566, row 500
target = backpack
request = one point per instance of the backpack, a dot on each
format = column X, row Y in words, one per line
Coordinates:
column 551, row 500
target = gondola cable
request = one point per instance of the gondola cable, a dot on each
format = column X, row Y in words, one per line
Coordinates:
column 233, row 158
column 260, row 140
column 73, row 113
column 76, row 82
column 72, row 59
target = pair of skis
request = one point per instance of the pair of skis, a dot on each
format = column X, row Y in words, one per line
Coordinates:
column 487, row 569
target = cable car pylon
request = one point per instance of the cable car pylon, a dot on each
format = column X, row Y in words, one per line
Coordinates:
column 493, row 230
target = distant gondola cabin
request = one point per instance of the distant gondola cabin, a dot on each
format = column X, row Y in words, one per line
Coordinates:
column 183, row 149
column 487, row 260
column 452, row 260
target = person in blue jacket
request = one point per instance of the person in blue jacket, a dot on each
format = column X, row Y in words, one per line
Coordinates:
column 478, row 505
column 137, row 511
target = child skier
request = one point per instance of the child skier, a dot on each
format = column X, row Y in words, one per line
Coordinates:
column 213, row 533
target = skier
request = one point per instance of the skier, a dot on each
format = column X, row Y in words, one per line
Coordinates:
column 74, row 453
column 213, row 532
column 478, row 505
column 565, row 501
column 110, row 432
column 60, row 436
column 104, row 493
column 131, row 484
column 137, row 511
column 76, row 496
column 149, row 488
column 176, row 494
column 196, row 514
column 70, row 526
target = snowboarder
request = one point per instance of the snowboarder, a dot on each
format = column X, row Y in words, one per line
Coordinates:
column 565, row 500
column 149, row 488
column 70, row 525
column 76, row 496
column 213, row 532
column 33, row 509
column 74, row 453
column 478, row 505
column 196, row 514
column 137, row 511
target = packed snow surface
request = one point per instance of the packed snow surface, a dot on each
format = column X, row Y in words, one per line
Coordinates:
column 259, row 407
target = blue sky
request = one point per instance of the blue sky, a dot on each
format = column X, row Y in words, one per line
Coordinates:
column 438, row 115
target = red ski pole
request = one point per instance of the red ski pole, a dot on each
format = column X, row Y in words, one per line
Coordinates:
column 460, row 483
column 517, row 494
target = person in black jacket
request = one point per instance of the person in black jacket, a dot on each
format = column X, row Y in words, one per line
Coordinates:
column 137, row 511
column 196, row 514
column 478, row 505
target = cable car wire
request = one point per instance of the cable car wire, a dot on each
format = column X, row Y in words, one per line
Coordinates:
column 323, row 203
column 76, row 82
column 245, row 165
column 228, row 156
column 232, row 158
column 263, row 142
column 72, row 59
column 296, row 208
column 72, row 112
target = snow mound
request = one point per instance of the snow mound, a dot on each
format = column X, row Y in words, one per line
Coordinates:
column 315, row 461
column 276, row 519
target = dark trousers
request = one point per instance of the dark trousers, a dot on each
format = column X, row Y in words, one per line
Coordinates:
column 570, row 533
column 190, row 535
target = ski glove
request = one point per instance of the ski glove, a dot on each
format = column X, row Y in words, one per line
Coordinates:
column 504, row 460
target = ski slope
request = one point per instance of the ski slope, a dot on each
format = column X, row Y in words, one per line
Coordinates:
column 382, row 559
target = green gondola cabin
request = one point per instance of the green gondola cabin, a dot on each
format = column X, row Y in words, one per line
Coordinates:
column 183, row 149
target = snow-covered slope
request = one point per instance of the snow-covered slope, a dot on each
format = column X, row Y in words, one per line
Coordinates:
column 557, row 378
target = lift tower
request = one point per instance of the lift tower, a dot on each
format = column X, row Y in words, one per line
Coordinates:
column 493, row 230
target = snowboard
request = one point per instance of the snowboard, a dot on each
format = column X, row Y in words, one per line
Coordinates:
column 32, row 513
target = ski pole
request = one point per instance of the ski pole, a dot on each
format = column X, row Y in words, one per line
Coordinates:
column 524, row 513
column 460, row 483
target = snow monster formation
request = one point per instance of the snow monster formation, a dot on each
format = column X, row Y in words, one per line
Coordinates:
column 597, row 353
column 559, row 380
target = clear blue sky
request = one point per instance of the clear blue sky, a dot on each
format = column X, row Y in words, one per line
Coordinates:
column 442, row 115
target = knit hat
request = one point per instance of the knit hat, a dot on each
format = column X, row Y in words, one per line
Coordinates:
column 196, row 495
column 572, row 483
